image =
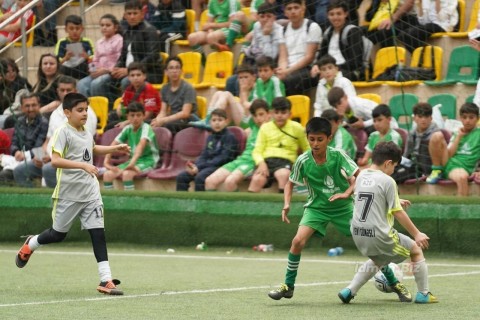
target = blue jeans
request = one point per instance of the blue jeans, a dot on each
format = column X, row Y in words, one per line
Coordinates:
column 24, row 173
column 48, row 7
column 90, row 87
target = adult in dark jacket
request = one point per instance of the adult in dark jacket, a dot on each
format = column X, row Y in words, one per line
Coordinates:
column 170, row 20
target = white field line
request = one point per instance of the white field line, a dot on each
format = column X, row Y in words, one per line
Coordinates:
column 202, row 257
column 199, row 291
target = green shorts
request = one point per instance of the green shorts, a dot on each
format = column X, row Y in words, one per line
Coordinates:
column 143, row 166
column 455, row 164
column 245, row 166
column 318, row 221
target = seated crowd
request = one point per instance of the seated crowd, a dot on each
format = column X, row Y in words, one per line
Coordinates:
column 288, row 50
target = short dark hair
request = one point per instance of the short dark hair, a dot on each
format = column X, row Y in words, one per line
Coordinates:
column 135, row 106
column 174, row 59
column 335, row 4
column 137, row 66
column 258, row 104
column 381, row 110
column 265, row 61
column 386, row 150
column 281, row 103
column 326, row 59
column 330, row 115
column 423, row 109
column 469, row 107
column 319, row 125
column 266, row 7
column 74, row 19
column 29, row 95
column 335, row 95
column 5, row 63
column 287, row 2
column 133, row 4
column 245, row 67
column 67, row 80
column 72, row 99
column 219, row 113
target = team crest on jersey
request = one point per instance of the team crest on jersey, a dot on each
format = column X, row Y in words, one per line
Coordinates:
column 86, row 155
column 329, row 182
column 465, row 149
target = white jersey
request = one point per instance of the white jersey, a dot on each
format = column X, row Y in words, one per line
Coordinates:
column 376, row 200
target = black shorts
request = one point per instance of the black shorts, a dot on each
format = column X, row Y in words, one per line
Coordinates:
column 273, row 165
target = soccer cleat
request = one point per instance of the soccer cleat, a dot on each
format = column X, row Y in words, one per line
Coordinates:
column 346, row 295
column 283, row 292
column 23, row 254
column 434, row 177
column 200, row 124
column 110, row 287
column 425, row 298
column 403, row 294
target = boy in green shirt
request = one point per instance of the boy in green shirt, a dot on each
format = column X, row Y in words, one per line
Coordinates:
column 462, row 153
column 143, row 144
column 341, row 138
column 267, row 86
column 381, row 121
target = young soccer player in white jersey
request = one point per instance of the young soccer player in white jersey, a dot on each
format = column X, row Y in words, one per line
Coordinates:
column 77, row 193
column 376, row 206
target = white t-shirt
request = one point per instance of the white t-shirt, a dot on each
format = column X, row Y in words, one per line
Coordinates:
column 334, row 48
column 296, row 40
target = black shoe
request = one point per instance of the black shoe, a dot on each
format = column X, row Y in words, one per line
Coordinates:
column 283, row 292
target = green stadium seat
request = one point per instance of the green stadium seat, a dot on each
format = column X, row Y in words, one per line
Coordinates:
column 402, row 108
column 448, row 102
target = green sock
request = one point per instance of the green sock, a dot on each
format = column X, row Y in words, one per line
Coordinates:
column 233, row 32
column 292, row 267
column 389, row 275
column 128, row 185
column 437, row 168
column 107, row 185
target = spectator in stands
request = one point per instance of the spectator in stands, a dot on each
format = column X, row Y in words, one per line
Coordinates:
column 13, row 30
column 42, row 167
column 301, row 38
column 140, row 44
column 215, row 30
column 30, row 132
column 276, row 148
column 381, row 121
column 425, row 146
column 170, row 19
column 268, row 86
column 5, row 143
column 47, row 82
column 138, row 90
column 330, row 76
column 221, row 148
column 74, row 51
column 321, row 12
column 107, row 52
column 462, row 154
column 49, row 39
column 10, row 83
column 433, row 16
column 347, row 49
column 179, row 99
column 5, row 5
column 383, row 24
column 232, row 173
column 341, row 138
column 143, row 149
column 475, row 43
column 237, row 111
column 277, row 6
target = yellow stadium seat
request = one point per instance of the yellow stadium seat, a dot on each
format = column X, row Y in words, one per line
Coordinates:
column 371, row 96
column 192, row 63
column 218, row 68
column 190, row 21
column 201, row 107
column 117, row 103
column 100, row 106
column 300, row 108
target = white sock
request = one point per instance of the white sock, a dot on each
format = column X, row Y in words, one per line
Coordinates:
column 33, row 243
column 364, row 273
column 420, row 272
column 104, row 271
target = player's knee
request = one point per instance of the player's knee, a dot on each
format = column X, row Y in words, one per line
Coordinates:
column 298, row 242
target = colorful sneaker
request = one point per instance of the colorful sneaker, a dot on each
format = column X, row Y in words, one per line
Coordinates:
column 23, row 254
column 200, row 124
column 110, row 287
column 283, row 292
column 223, row 47
column 434, row 176
column 425, row 298
column 403, row 294
column 346, row 295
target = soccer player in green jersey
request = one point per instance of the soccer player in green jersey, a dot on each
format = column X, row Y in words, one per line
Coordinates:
column 77, row 193
column 341, row 138
column 376, row 206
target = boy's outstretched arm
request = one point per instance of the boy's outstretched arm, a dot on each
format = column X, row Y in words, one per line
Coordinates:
column 59, row 162
column 420, row 238
column 287, row 197
column 102, row 150
column 347, row 193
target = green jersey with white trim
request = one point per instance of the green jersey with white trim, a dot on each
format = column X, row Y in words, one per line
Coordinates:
column 150, row 155
column 221, row 11
column 374, row 138
column 468, row 151
column 343, row 140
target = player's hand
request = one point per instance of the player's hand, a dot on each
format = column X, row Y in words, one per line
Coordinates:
column 68, row 55
column 262, row 169
column 123, row 147
column 422, row 240
column 405, row 203
column 37, row 163
column 91, row 169
column 315, row 71
column 339, row 196
column 475, row 44
column 385, row 25
column 285, row 211
column 462, row 132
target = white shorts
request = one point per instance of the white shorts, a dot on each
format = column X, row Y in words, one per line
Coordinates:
column 64, row 213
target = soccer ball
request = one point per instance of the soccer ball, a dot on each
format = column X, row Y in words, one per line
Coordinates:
column 381, row 282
